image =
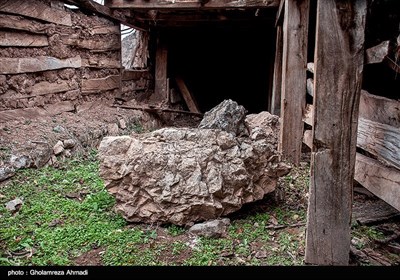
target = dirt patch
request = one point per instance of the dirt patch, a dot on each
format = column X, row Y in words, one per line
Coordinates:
column 91, row 258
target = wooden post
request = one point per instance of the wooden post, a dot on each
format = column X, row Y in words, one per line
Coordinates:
column 275, row 104
column 161, row 83
column 294, row 65
column 339, row 58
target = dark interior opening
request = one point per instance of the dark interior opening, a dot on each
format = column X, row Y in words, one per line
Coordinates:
column 224, row 62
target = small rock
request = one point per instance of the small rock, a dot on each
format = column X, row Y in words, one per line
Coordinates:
column 67, row 153
column 214, row 228
column 14, row 205
column 58, row 129
column 41, row 155
column 261, row 254
column 58, row 148
column 69, row 143
column 112, row 129
column 122, row 123
column 19, row 162
column 6, row 172
column 55, row 222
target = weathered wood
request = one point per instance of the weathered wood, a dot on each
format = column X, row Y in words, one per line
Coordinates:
column 295, row 38
column 160, row 88
column 377, row 53
column 158, row 110
column 381, row 140
column 279, row 14
column 36, row 10
column 339, row 59
column 187, row 96
column 36, row 64
column 128, row 75
column 107, row 12
column 310, row 86
column 372, row 211
column 45, row 87
column 94, row 45
column 104, row 30
column 22, row 39
column 24, row 24
column 94, row 62
column 100, row 84
column 277, row 81
column 380, row 109
column 382, row 181
column 191, row 4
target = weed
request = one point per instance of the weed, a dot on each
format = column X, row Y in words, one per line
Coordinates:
column 174, row 230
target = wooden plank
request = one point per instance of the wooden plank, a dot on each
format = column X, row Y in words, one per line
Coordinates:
column 37, row 10
column 24, row 24
column 128, row 75
column 380, row 109
column 106, row 12
column 372, row 211
column 93, row 44
column 279, row 14
column 36, row 64
column 381, row 140
column 97, row 30
column 377, row 53
column 22, row 39
column 94, row 62
column 44, row 88
column 187, row 96
column 382, row 181
column 295, row 38
column 161, row 74
column 191, row 4
column 339, row 59
column 277, row 81
column 100, row 84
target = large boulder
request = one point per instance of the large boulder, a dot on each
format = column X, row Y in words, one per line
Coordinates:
column 185, row 175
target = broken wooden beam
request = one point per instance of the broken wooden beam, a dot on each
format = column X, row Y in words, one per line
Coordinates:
column 37, row 10
column 382, row 181
column 36, row 64
column 373, row 211
column 157, row 110
column 100, row 84
column 22, row 39
column 377, row 53
column 191, row 4
column 334, row 133
column 187, row 96
column 293, row 93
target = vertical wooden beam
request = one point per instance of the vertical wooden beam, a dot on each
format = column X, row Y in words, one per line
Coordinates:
column 161, row 82
column 294, row 64
column 339, row 58
column 275, row 104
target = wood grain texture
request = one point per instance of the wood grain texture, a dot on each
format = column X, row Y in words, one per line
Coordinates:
column 36, row 64
column 382, row 181
column 22, row 39
column 36, row 9
column 339, row 59
column 380, row 109
column 381, row 140
column 100, row 84
column 161, row 83
column 275, row 106
column 295, row 38
column 24, row 24
column 191, row 4
column 187, row 96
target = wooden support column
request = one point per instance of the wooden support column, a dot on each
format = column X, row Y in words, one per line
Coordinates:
column 275, row 107
column 339, row 58
column 294, row 65
column 161, row 82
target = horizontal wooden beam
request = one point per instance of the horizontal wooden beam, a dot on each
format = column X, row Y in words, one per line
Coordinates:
column 129, row 75
column 94, row 45
column 37, row 10
column 22, row 39
column 382, row 181
column 94, row 62
column 24, row 24
column 191, row 4
column 101, row 84
column 36, row 64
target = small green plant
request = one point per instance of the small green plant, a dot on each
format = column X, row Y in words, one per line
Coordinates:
column 175, row 230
